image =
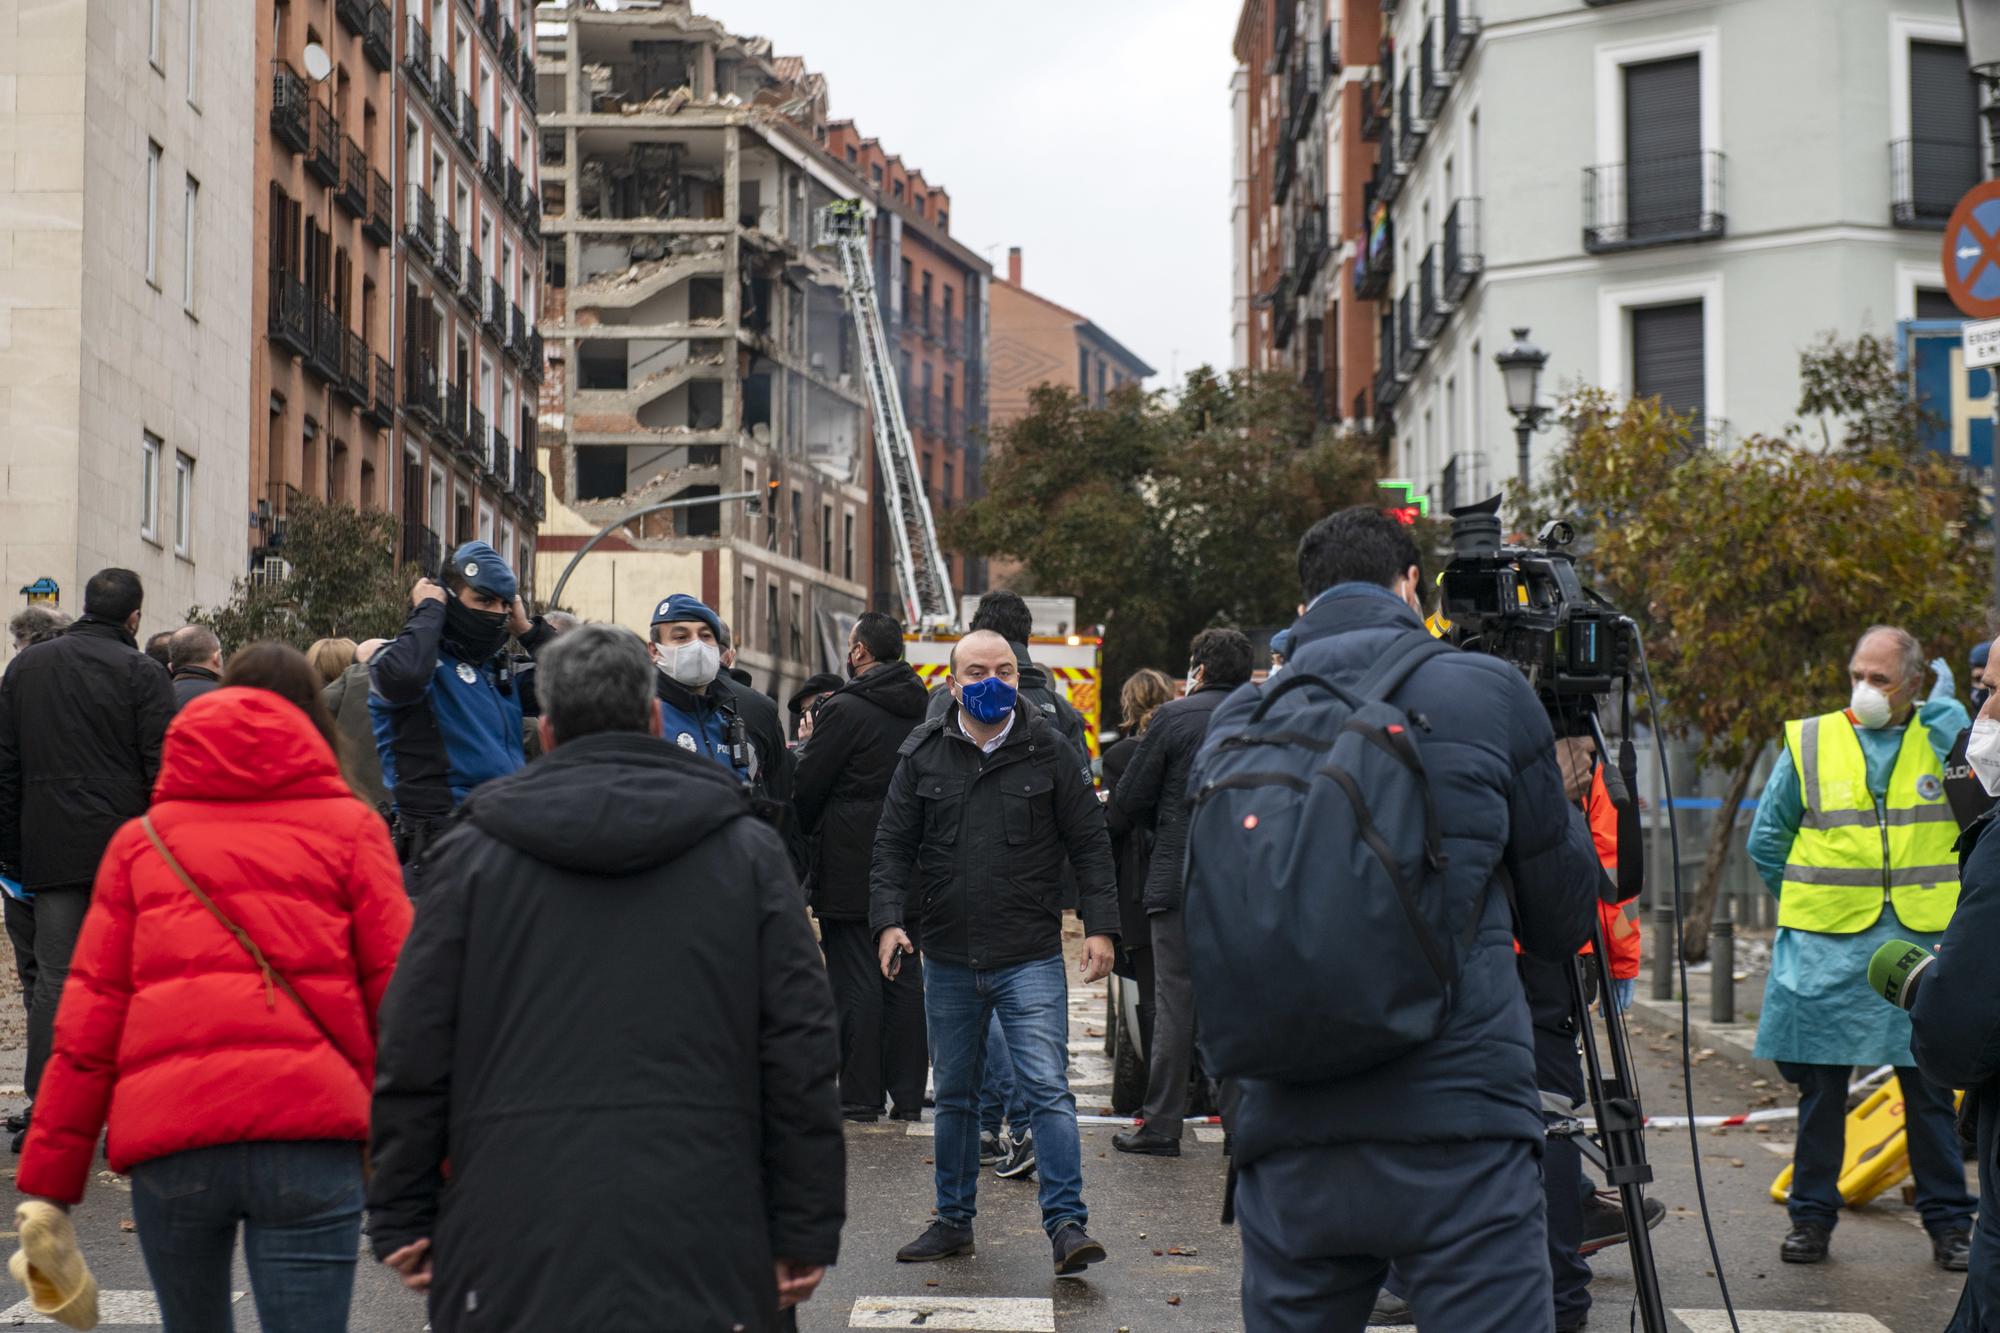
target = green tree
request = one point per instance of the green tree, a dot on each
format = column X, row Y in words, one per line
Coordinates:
column 1751, row 570
column 1162, row 517
column 342, row 582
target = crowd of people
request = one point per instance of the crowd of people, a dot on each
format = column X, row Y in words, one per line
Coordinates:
column 304, row 932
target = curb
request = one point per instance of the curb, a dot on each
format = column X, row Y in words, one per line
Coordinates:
column 1733, row 1042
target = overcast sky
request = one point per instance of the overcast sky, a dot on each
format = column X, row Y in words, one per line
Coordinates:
column 1094, row 134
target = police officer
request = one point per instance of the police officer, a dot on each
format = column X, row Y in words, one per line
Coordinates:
column 445, row 700
column 698, row 710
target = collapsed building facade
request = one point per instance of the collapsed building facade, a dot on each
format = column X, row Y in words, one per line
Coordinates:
column 699, row 342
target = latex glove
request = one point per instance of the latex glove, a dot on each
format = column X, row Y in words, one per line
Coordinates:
column 1947, row 684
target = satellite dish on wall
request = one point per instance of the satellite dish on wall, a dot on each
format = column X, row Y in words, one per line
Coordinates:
column 318, row 63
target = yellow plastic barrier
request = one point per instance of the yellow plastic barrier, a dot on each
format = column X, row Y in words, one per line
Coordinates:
column 1876, row 1159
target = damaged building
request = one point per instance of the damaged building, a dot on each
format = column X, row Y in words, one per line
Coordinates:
column 699, row 342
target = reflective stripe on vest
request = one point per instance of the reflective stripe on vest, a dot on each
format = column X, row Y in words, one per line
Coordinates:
column 1850, row 855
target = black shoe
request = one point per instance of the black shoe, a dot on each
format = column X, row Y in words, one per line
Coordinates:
column 1146, row 1144
column 1807, row 1244
column 20, row 1130
column 1952, row 1250
column 861, row 1117
column 941, row 1240
column 991, row 1149
column 1075, row 1250
column 1391, row 1311
column 17, row 1122
column 1604, row 1221
column 1576, row 1325
column 909, row 1116
column 1020, row 1160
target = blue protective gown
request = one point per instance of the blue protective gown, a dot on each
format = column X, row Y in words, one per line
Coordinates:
column 1818, row 1008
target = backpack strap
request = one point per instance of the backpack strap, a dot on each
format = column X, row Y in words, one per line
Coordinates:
column 1396, row 665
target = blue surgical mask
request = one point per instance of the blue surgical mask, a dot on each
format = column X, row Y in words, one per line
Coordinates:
column 988, row 700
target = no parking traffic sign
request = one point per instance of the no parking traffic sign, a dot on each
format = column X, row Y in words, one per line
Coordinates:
column 1972, row 252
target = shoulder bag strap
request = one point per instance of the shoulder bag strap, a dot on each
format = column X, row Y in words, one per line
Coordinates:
column 272, row 976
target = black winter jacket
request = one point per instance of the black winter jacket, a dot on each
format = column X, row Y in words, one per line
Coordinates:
column 843, row 774
column 1490, row 756
column 192, row 682
column 1131, row 852
column 776, row 765
column 81, row 720
column 1153, row 791
column 1955, row 1033
column 612, row 1020
column 986, row 836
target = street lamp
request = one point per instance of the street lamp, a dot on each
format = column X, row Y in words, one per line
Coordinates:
column 1521, row 365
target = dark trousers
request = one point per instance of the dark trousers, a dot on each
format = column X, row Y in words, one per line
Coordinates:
column 1929, row 1128
column 1462, row 1221
column 300, row 1208
column 21, row 934
column 58, row 920
column 1170, row 1054
column 883, row 1051
column 1559, row 1070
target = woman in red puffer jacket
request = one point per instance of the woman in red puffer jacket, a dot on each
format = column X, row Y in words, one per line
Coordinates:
column 226, row 1101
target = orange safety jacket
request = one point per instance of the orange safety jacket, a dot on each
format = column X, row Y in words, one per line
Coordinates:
column 1620, row 928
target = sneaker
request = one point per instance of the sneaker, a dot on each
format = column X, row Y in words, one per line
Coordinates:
column 1604, row 1221
column 1146, row 1144
column 991, row 1149
column 1391, row 1311
column 1074, row 1249
column 941, row 1240
column 1952, row 1250
column 1020, row 1159
column 1807, row 1244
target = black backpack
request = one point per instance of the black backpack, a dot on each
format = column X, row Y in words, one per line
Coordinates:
column 1317, row 910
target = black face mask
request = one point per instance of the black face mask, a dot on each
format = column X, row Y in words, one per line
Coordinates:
column 472, row 636
column 1979, row 696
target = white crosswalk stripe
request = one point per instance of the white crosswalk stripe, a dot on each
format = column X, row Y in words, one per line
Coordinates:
column 114, row 1308
column 997, row 1314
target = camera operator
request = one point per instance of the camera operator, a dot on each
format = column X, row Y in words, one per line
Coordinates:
column 1431, row 1160
column 1855, row 838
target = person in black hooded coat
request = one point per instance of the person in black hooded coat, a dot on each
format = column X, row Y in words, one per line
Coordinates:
column 612, row 1021
column 843, row 776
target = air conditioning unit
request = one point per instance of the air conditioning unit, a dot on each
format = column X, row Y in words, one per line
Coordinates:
column 270, row 571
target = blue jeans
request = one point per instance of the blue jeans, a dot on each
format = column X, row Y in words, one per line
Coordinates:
column 1031, row 1002
column 1929, row 1129
column 999, row 1093
column 300, row 1206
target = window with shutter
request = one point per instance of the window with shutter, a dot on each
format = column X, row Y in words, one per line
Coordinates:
column 1944, row 129
column 1663, row 159
column 1668, row 356
column 1935, row 303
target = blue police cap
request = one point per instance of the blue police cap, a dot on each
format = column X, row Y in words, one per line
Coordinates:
column 682, row 606
column 484, row 571
column 1979, row 655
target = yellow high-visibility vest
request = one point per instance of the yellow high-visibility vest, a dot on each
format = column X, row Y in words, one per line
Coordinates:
column 1850, row 856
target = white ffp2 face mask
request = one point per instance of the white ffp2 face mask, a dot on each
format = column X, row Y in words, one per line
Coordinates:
column 1982, row 753
column 1870, row 707
column 693, row 664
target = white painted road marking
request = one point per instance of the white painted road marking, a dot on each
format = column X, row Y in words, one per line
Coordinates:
column 999, row 1314
column 1210, row 1134
column 113, row 1307
column 1780, row 1321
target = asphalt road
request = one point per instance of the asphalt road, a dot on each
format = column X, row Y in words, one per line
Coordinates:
column 1146, row 1209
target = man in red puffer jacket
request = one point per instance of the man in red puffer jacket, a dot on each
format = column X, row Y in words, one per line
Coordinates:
column 234, row 1092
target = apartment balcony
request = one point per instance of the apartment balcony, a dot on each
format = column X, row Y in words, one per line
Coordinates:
column 536, row 499
column 1309, row 245
column 1284, row 21
column 290, row 316
column 531, row 362
column 450, row 252
column 352, row 195
column 489, row 18
column 1461, row 33
column 1387, row 387
column 517, row 336
column 1301, row 99
column 531, row 217
column 381, row 407
column 329, row 344
column 520, row 484
column 1285, row 170
column 323, row 159
column 444, row 90
column 494, row 316
column 353, row 15
column 528, row 81
column 378, row 43
column 500, row 459
column 494, row 167
column 1376, row 263
column 355, row 365
column 1464, row 259
column 1375, row 115
column 510, row 50
column 419, row 223
column 291, row 108
column 954, row 338
column 1409, row 348
column 1329, row 53
column 1656, row 201
column 422, row 547
column 1435, row 310
column 515, row 189
column 1927, row 177
column 468, row 124
column 1284, row 310
column 451, row 417
column 1436, row 82
column 417, row 54
column 1389, row 173
column 477, row 442
column 1415, row 127
column 473, row 288
column 420, row 387
column 380, row 226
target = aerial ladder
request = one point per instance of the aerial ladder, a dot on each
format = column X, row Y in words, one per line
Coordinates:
column 921, row 573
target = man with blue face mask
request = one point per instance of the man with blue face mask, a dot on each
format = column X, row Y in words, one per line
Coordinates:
column 1855, row 837
column 986, row 802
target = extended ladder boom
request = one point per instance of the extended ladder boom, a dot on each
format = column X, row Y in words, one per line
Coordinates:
column 921, row 573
